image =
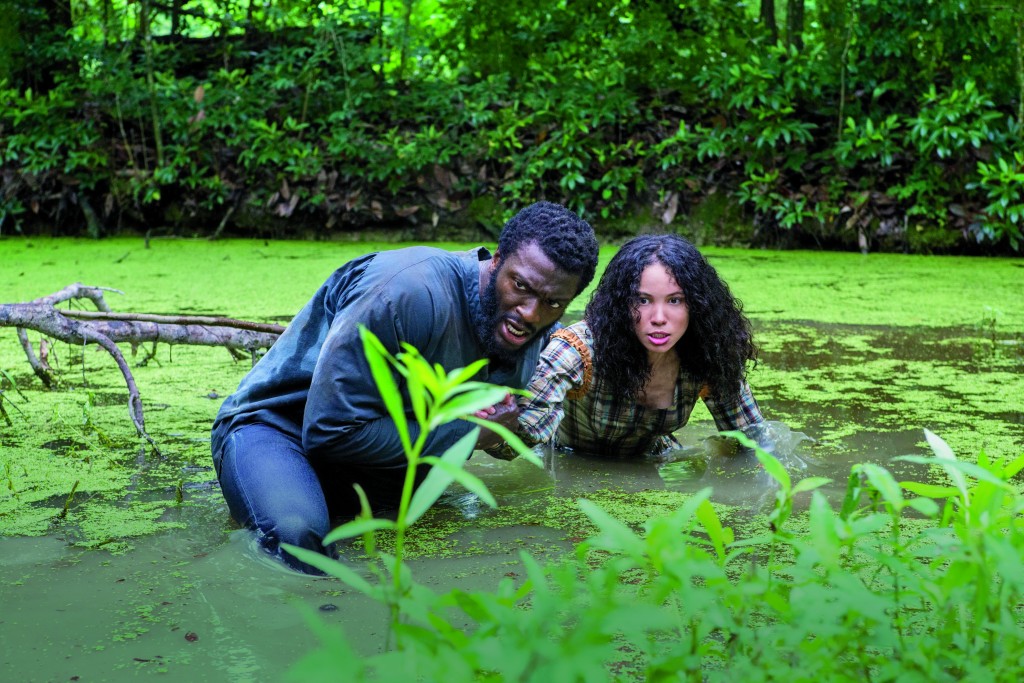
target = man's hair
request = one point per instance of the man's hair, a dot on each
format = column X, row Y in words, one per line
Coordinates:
column 564, row 237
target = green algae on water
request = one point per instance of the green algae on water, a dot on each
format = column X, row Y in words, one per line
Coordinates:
column 851, row 344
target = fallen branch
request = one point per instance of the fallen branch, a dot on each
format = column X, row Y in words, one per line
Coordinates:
column 106, row 329
column 208, row 321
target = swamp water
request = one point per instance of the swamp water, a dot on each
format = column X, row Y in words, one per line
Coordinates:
column 122, row 580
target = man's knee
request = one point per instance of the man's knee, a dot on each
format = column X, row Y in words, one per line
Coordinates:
column 297, row 529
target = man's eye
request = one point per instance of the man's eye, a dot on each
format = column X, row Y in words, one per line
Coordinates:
column 519, row 284
column 555, row 304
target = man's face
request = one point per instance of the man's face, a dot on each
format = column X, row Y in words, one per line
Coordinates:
column 526, row 294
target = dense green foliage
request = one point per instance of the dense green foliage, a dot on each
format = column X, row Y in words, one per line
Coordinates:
column 886, row 125
column 888, row 587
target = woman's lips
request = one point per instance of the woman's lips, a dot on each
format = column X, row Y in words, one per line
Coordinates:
column 658, row 338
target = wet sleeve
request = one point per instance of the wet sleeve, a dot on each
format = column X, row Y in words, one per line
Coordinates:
column 559, row 370
column 740, row 413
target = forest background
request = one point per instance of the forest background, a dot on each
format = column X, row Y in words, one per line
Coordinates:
column 870, row 124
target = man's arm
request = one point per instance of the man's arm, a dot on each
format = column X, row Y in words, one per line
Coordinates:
column 345, row 420
column 560, row 369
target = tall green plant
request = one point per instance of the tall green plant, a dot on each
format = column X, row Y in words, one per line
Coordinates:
column 436, row 397
column 862, row 592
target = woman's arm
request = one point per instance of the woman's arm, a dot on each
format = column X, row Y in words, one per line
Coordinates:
column 740, row 413
column 560, row 370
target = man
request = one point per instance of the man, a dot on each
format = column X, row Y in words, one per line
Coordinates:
column 307, row 422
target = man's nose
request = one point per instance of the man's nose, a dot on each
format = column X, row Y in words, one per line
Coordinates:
column 529, row 310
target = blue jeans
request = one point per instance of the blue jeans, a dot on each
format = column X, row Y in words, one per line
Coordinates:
column 271, row 487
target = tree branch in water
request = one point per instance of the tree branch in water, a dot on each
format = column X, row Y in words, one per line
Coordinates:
column 107, row 328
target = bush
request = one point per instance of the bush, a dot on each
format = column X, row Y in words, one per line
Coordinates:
column 306, row 121
column 904, row 581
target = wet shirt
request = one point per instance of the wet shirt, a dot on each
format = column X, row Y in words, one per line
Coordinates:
column 600, row 421
column 315, row 383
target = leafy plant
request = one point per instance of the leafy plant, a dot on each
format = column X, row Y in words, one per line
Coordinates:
column 860, row 593
column 437, row 397
column 950, row 121
column 1003, row 183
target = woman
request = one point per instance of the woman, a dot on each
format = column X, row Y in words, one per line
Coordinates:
column 661, row 330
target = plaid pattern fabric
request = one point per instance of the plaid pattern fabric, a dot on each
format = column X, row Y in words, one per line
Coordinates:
column 601, row 421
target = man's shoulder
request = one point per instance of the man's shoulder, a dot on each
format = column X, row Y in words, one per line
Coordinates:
column 419, row 260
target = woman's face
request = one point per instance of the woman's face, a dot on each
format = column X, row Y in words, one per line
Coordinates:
column 664, row 315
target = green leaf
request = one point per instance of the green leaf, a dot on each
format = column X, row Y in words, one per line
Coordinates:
column 467, row 479
column 1015, row 466
column 938, row 446
column 823, row 528
column 810, row 483
column 510, row 438
column 476, row 606
column 851, row 500
column 956, row 471
column 358, row 527
column 770, row 462
column 439, row 478
column 929, row 490
column 376, row 357
column 460, row 376
column 979, row 473
column 417, row 395
column 614, row 536
column 333, row 568
column 713, row 525
column 883, row 482
column 466, row 404
column 775, row 469
column 926, row 506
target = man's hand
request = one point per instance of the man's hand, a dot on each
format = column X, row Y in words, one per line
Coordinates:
column 505, row 413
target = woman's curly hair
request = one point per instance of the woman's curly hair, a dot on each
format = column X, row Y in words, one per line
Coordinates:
column 718, row 341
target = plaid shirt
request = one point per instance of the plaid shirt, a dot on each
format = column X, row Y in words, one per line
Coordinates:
column 601, row 421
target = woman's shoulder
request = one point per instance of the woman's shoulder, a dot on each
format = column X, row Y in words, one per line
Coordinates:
column 582, row 330
column 576, row 337
column 570, row 352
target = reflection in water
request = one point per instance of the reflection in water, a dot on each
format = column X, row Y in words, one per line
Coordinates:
column 733, row 472
column 864, row 393
column 704, row 459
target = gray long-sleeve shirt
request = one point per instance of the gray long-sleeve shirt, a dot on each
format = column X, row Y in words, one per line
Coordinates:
column 315, row 384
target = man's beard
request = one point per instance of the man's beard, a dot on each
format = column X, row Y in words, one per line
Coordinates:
column 487, row 329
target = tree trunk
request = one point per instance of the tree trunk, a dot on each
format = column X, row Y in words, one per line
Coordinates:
column 768, row 20
column 795, row 23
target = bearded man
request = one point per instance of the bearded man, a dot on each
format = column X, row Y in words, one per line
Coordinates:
column 307, row 422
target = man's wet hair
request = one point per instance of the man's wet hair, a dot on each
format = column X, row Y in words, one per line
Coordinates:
column 564, row 237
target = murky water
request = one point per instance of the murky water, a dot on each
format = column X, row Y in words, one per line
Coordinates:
column 200, row 603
